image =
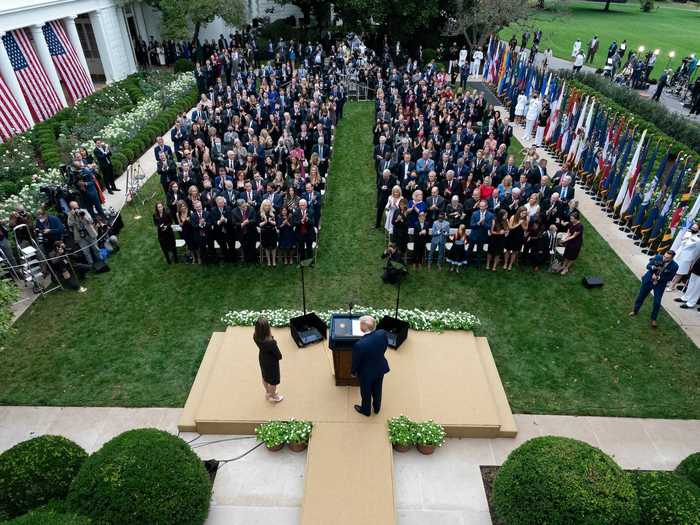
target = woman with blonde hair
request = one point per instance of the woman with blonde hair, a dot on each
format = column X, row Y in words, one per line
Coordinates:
column 269, row 357
column 392, row 204
column 268, row 232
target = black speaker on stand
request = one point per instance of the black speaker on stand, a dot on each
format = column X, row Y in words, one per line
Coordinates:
column 397, row 329
column 308, row 328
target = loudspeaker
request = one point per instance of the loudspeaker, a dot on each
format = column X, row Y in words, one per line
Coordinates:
column 397, row 329
column 592, row 281
column 307, row 329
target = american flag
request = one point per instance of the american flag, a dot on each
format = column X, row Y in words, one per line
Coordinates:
column 12, row 120
column 38, row 92
column 68, row 65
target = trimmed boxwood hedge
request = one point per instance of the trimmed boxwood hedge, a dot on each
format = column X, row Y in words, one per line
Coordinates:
column 562, row 481
column 49, row 517
column 37, row 471
column 143, row 476
column 666, row 499
column 690, row 468
column 183, row 65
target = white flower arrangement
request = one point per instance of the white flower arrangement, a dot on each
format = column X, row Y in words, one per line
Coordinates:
column 423, row 320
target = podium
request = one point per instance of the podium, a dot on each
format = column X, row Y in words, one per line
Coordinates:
column 341, row 340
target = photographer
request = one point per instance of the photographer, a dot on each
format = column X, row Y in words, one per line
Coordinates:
column 660, row 270
column 84, row 234
column 5, row 248
column 68, row 275
column 48, row 230
column 393, row 270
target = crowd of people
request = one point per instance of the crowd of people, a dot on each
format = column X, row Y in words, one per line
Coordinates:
column 448, row 188
column 246, row 175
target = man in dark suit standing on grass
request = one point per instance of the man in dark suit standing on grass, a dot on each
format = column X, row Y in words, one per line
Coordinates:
column 370, row 365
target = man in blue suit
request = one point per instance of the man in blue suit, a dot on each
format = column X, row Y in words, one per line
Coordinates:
column 660, row 271
column 480, row 225
column 370, row 365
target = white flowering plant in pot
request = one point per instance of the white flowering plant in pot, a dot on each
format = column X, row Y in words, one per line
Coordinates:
column 429, row 433
column 299, row 432
column 425, row 320
column 272, row 433
column 402, row 431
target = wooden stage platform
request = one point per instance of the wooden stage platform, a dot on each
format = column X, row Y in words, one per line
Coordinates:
column 449, row 377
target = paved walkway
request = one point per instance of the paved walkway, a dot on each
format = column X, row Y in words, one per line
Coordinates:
column 623, row 246
column 672, row 103
column 443, row 489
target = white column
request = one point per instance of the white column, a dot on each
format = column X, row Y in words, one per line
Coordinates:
column 98, row 27
column 8, row 75
column 140, row 22
column 69, row 23
column 42, row 50
column 126, row 40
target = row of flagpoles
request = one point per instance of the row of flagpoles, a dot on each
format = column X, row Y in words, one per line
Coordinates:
column 599, row 142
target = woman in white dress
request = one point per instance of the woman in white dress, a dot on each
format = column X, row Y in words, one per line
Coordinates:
column 392, row 204
column 688, row 252
column 532, row 206
column 520, row 108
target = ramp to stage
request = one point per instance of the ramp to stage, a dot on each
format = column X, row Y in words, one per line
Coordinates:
column 349, row 476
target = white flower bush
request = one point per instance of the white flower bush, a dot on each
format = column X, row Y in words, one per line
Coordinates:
column 30, row 196
column 424, row 320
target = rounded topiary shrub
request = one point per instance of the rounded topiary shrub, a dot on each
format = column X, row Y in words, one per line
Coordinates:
column 690, row 468
column 558, row 480
column 143, row 476
column 182, row 65
column 37, row 471
column 666, row 499
column 49, row 517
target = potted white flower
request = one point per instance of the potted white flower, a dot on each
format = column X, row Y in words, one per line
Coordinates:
column 401, row 433
column 273, row 434
column 298, row 434
column 429, row 435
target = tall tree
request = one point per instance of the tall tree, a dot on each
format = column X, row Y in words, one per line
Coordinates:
column 179, row 14
column 476, row 19
column 319, row 9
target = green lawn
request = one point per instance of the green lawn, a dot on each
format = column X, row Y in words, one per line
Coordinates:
column 671, row 27
column 137, row 336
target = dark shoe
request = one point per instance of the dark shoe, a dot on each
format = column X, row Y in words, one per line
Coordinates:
column 110, row 192
column 686, row 307
column 116, row 189
column 358, row 409
column 679, row 300
column 653, row 324
column 376, row 411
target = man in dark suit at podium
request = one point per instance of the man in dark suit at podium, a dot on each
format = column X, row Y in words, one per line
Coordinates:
column 370, row 365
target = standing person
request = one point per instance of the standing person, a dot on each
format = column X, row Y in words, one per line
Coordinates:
column 660, row 270
column 439, row 232
column 578, row 62
column 104, row 159
column 548, row 54
column 457, row 255
column 576, row 48
column 573, row 241
column 166, row 236
column 269, row 357
column 592, row 49
column 692, row 291
column 497, row 240
column 84, row 234
column 542, row 123
column 663, row 80
column 520, row 107
column 480, row 224
column 688, row 252
column 477, row 57
column 517, row 227
column 370, row 365
column 533, row 111
column 268, row 232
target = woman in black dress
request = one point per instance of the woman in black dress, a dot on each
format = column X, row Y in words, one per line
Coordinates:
column 573, row 240
column 517, row 226
column 497, row 240
column 287, row 239
column 166, row 236
column 269, row 357
column 399, row 221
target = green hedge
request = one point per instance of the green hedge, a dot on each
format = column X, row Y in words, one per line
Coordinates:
column 49, row 517
column 667, row 499
column 36, row 472
column 562, row 481
column 690, row 468
column 143, row 476
column 182, row 65
column 675, row 127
